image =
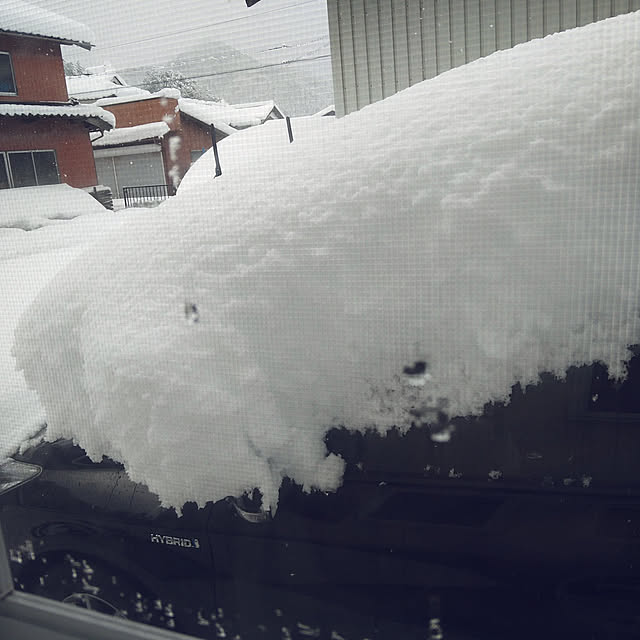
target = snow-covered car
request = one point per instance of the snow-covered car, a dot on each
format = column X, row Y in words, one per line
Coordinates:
column 398, row 549
column 413, row 335
column 30, row 208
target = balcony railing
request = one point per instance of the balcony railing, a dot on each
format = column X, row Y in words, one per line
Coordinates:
column 146, row 195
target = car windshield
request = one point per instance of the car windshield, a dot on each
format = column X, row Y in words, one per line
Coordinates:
column 321, row 316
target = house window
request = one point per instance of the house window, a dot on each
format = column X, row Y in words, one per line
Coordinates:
column 7, row 80
column 22, row 170
column 28, row 169
column 46, row 167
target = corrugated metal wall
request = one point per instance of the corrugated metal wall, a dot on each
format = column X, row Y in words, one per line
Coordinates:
column 382, row 46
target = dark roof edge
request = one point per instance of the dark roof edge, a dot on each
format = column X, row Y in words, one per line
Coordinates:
column 80, row 43
column 206, row 125
column 97, row 124
column 133, row 143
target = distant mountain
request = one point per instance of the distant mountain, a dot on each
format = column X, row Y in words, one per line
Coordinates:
column 296, row 75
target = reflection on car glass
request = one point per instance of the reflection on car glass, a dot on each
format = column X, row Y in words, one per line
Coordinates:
column 613, row 396
column 461, row 510
column 105, row 463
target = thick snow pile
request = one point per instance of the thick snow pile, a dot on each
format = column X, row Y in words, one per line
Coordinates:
column 33, row 207
column 22, row 414
column 246, row 154
column 484, row 222
column 27, row 262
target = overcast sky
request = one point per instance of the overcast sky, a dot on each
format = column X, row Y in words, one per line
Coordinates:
column 134, row 32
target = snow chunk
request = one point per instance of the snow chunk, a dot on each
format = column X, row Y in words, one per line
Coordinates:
column 32, row 259
column 483, row 223
column 169, row 93
column 33, row 207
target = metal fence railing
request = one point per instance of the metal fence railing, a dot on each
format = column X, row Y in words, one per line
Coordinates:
column 146, row 195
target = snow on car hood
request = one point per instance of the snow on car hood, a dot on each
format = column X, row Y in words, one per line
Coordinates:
column 483, row 222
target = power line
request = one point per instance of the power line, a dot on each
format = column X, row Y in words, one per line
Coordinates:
column 262, row 66
column 206, row 26
column 224, row 73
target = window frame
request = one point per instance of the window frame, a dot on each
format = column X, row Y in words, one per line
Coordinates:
column 55, row 162
column 5, row 165
column 13, row 76
column 6, row 155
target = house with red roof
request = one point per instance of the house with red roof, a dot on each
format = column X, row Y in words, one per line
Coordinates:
column 160, row 135
column 44, row 136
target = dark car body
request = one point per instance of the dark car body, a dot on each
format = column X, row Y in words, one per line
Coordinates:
column 526, row 523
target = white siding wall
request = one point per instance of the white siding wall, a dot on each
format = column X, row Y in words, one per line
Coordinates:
column 382, row 46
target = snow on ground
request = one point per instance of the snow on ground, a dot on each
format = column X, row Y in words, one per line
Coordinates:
column 484, row 222
column 33, row 207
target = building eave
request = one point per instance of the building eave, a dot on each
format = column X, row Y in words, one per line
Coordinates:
column 156, row 140
column 94, row 123
column 84, row 45
column 221, row 128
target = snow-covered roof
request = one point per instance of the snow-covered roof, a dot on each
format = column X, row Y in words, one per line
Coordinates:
column 225, row 117
column 93, row 81
column 24, row 18
column 128, row 135
column 327, row 111
column 100, row 118
column 100, row 69
column 220, row 115
column 96, row 86
column 142, row 95
column 262, row 111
